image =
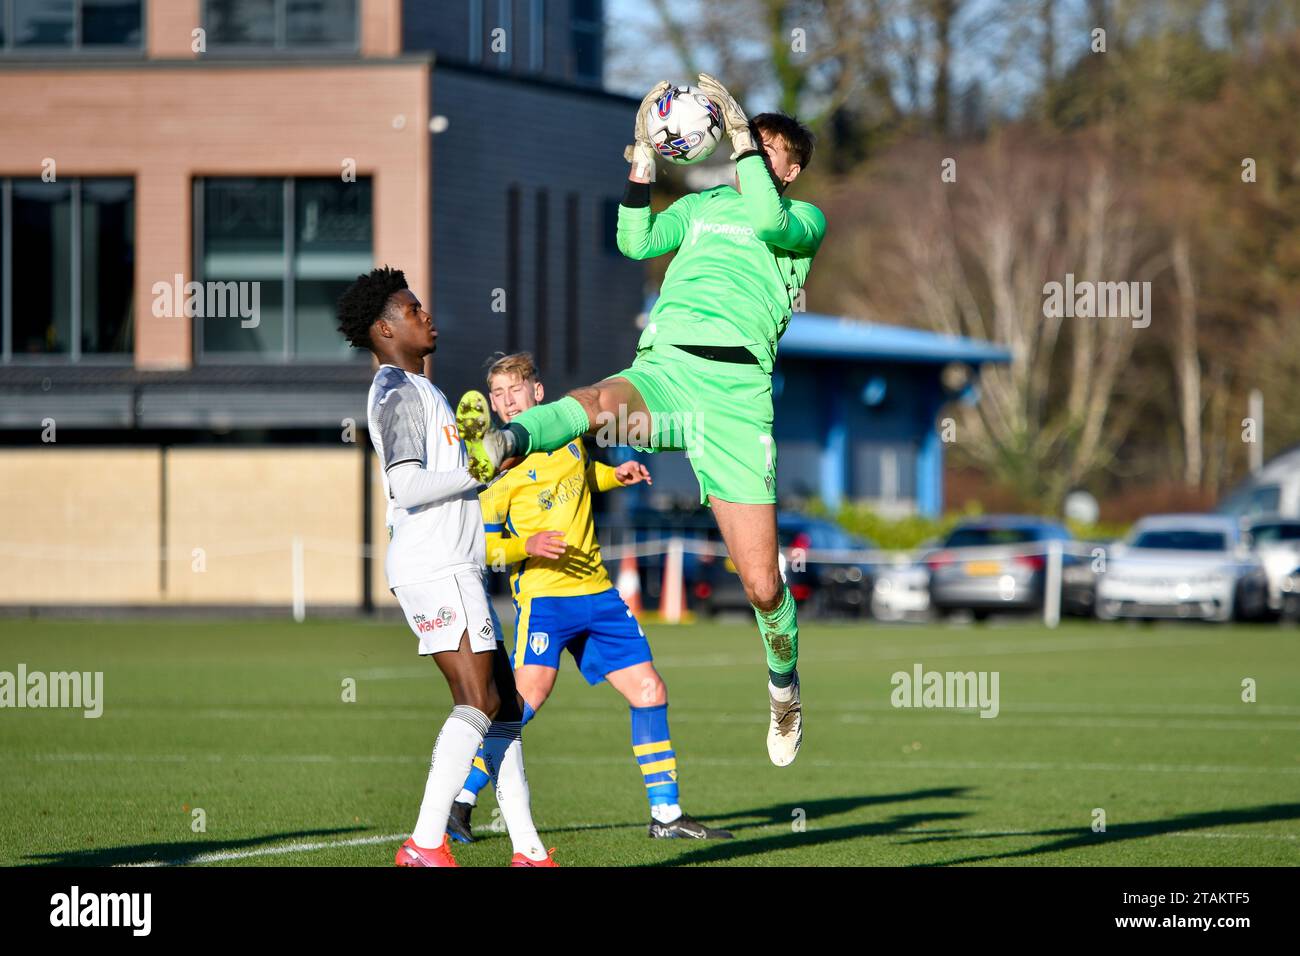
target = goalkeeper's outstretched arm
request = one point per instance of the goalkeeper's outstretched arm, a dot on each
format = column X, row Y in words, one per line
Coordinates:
column 798, row 229
column 795, row 228
column 643, row 234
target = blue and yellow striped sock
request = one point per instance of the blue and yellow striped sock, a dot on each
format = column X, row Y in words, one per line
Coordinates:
column 654, row 754
column 478, row 773
column 478, row 779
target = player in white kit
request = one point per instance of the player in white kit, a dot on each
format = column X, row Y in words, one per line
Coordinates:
column 436, row 565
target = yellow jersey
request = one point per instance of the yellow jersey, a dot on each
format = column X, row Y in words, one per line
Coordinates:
column 548, row 491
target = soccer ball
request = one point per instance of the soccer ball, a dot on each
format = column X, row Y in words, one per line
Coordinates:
column 685, row 126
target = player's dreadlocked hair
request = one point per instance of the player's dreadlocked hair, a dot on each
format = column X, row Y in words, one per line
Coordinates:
column 798, row 138
column 365, row 301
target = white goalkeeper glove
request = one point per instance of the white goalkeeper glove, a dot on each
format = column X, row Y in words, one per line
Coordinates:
column 734, row 120
column 641, row 154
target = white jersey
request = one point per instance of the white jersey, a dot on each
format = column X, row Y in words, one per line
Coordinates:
column 410, row 421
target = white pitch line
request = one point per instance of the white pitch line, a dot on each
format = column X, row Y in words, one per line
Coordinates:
column 1068, row 767
column 341, row 711
column 1245, row 714
column 1243, row 709
column 1030, row 645
column 1043, row 645
column 227, row 855
column 1081, row 722
column 576, row 760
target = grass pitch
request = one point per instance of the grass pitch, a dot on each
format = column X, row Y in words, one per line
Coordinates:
column 245, row 721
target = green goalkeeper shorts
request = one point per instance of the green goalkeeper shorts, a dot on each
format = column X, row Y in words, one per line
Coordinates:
column 719, row 413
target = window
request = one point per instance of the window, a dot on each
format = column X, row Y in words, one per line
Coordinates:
column 67, row 268
column 107, row 264
column 40, row 26
column 1275, row 533
column 970, row 537
column 1264, row 499
column 250, row 25
column 884, row 471
column 111, row 22
column 587, row 24
column 331, row 247
column 1181, row 539
column 290, row 246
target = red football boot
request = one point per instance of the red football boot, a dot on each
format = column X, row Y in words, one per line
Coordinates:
column 520, row 859
column 408, row 854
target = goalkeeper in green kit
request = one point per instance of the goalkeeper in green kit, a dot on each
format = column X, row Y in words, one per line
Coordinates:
column 702, row 377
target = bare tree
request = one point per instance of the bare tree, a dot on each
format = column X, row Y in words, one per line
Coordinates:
column 973, row 259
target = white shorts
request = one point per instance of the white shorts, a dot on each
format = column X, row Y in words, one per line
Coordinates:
column 440, row 611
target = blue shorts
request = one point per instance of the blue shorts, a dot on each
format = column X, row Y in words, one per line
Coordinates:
column 598, row 630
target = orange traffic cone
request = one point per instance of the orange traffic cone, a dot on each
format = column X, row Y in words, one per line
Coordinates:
column 672, row 590
column 629, row 584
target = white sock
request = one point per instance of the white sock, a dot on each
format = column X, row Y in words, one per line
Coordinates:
column 467, row 796
column 503, row 752
column 453, row 755
column 666, row 812
column 783, row 694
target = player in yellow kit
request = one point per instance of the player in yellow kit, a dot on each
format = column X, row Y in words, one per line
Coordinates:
column 538, row 521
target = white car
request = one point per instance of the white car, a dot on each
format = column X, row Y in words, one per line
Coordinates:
column 1182, row 566
column 901, row 592
column 1277, row 542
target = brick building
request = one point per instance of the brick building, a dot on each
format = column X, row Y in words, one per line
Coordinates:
column 292, row 144
column 271, row 150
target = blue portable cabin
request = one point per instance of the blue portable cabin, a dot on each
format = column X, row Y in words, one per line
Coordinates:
column 857, row 406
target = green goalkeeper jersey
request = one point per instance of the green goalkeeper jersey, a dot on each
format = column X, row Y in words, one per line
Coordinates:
column 741, row 259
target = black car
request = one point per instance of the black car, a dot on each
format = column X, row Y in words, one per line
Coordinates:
column 833, row 584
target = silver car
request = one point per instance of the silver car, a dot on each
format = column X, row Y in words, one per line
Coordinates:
column 992, row 564
column 1182, row 566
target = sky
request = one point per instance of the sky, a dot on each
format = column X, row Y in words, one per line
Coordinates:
column 632, row 68
column 997, row 47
